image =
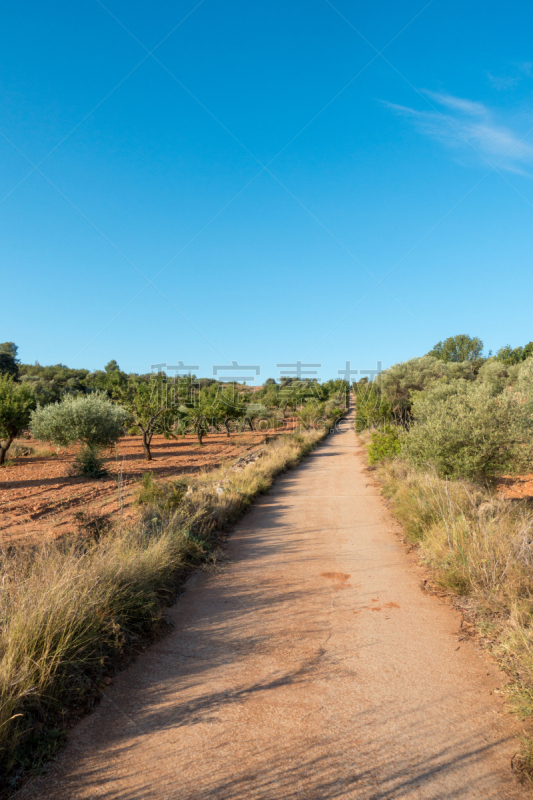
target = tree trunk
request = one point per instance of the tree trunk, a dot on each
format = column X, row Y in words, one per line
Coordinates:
column 146, row 446
column 4, row 447
column 199, row 434
column 226, row 425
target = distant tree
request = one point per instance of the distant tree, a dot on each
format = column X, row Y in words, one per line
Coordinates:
column 9, row 363
column 11, row 349
column 8, row 366
column 112, row 366
column 203, row 383
column 510, row 357
column 458, row 348
column 17, row 401
column 270, row 382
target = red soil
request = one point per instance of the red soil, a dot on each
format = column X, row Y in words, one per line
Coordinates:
column 40, row 498
column 516, row 486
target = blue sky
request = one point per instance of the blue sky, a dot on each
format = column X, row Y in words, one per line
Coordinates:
column 264, row 182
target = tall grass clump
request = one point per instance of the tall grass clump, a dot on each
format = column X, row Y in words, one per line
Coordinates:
column 65, row 611
column 480, row 545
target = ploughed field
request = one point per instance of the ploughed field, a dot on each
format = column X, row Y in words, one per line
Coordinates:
column 39, row 496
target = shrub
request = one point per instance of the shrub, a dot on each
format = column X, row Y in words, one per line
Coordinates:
column 463, row 430
column 524, row 382
column 89, row 461
column 372, row 409
column 93, row 420
column 167, row 495
column 496, row 375
column 383, row 444
column 16, row 404
column 402, row 380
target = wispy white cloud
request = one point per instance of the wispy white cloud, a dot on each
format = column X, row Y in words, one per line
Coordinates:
column 519, row 71
column 472, row 127
column 503, row 82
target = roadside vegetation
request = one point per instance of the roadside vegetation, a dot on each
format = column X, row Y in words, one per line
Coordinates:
column 443, row 429
column 73, row 610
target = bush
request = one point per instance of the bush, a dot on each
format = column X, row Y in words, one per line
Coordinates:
column 93, row 420
column 383, row 444
column 167, row 495
column 524, row 382
column 463, row 430
column 372, row 409
column 402, row 380
column 496, row 375
column 89, row 461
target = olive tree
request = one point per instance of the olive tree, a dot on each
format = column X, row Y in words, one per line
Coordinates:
column 150, row 407
column 93, row 420
column 17, row 401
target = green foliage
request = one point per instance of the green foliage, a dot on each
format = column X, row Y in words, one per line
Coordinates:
column 401, row 380
column 59, row 378
column 8, row 366
column 508, row 355
column 112, row 366
column 10, row 349
column 463, row 429
column 524, row 382
column 93, row 420
column 372, row 409
column 496, row 374
column 9, row 363
column 89, row 461
column 150, row 406
column 45, row 391
column 383, row 444
column 16, row 404
column 55, row 381
column 458, row 348
column 166, row 495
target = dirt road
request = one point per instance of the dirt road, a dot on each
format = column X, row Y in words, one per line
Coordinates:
column 313, row 666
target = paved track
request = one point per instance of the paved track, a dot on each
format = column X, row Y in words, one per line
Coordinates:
column 312, row 667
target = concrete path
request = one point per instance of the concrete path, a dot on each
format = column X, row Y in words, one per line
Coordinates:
column 311, row 667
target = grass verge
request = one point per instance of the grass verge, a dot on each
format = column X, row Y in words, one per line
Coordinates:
column 480, row 547
column 70, row 610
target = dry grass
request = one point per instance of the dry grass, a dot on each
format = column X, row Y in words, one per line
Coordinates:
column 480, row 545
column 67, row 610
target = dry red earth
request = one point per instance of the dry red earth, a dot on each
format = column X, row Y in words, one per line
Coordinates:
column 39, row 497
column 517, row 487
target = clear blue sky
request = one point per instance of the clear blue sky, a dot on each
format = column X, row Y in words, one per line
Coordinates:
column 269, row 185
